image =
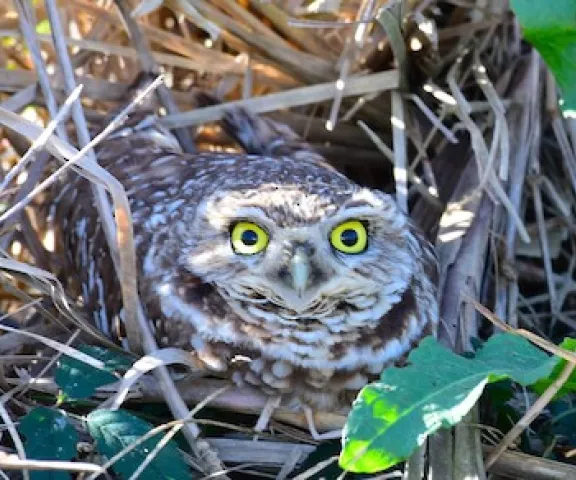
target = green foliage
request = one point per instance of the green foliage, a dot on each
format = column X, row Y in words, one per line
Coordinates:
column 550, row 25
column 115, row 430
column 392, row 417
column 48, row 436
column 43, row 27
column 8, row 41
column 561, row 428
column 79, row 380
column 570, row 386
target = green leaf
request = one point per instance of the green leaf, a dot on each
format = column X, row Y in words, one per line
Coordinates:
column 114, row 430
column 8, row 41
column 392, row 417
column 43, row 27
column 48, row 436
column 79, row 380
column 562, row 425
column 570, row 386
column 550, row 25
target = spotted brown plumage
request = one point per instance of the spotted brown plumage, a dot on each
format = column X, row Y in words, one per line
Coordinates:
column 299, row 318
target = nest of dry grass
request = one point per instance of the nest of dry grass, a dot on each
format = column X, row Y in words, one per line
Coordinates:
column 437, row 101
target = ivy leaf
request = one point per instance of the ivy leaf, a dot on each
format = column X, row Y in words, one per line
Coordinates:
column 114, row 430
column 80, row 380
column 392, row 417
column 48, row 436
column 570, row 386
column 551, row 27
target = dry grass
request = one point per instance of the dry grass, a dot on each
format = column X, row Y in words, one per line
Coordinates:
column 446, row 108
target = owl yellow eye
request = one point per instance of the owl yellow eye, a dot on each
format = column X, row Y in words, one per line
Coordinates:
column 248, row 238
column 350, row 237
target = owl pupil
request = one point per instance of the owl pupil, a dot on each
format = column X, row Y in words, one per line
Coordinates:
column 249, row 237
column 349, row 237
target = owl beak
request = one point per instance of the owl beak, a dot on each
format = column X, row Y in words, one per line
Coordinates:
column 300, row 270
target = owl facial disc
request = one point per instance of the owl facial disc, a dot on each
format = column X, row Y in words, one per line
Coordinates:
column 299, row 255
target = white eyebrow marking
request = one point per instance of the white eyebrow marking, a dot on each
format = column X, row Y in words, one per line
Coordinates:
column 221, row 217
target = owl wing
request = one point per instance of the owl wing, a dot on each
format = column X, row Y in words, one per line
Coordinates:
column 129, row 153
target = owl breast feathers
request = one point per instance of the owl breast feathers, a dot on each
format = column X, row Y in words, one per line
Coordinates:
column 274, row 268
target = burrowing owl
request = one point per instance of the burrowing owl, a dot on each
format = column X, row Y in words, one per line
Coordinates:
column 276, row 269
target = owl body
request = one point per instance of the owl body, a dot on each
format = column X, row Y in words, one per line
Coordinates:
column 247, row 260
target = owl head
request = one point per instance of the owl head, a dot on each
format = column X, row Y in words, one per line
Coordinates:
column 308, row 255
